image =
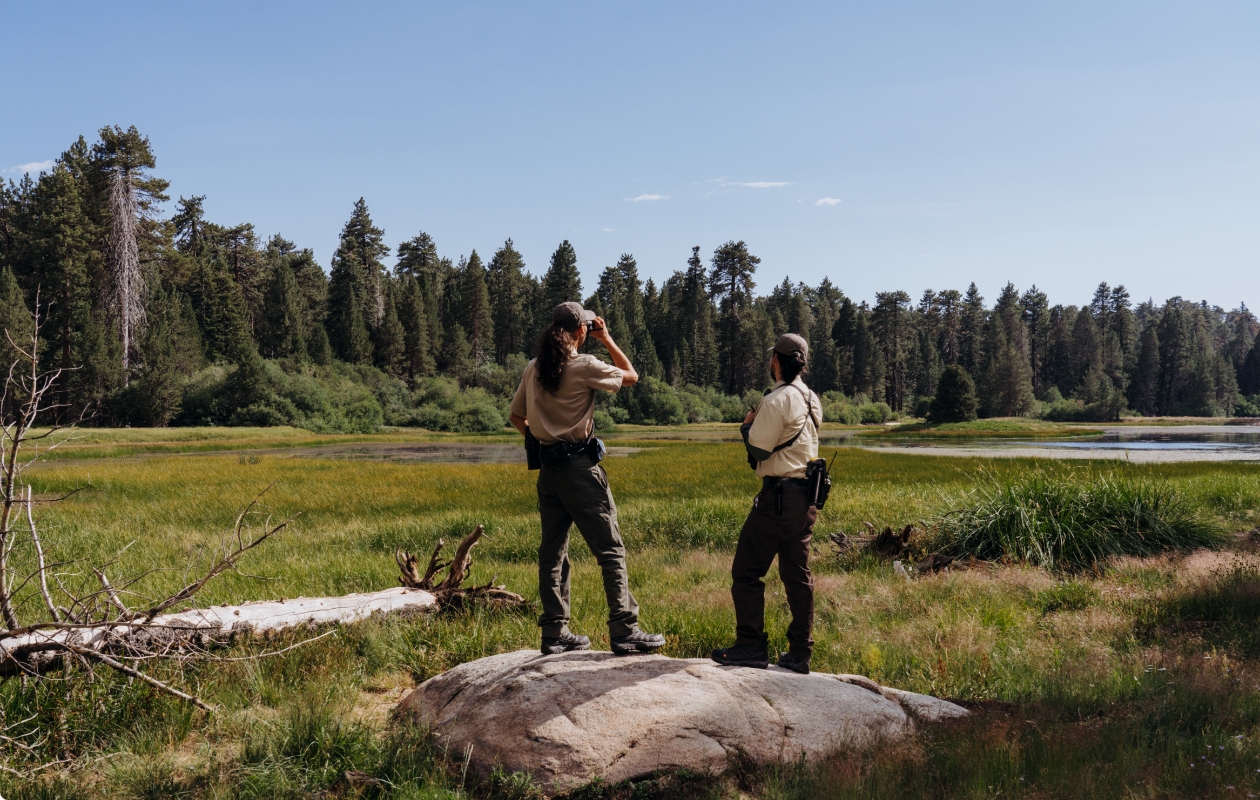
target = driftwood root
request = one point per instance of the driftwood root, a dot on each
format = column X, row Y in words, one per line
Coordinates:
column 450, row 592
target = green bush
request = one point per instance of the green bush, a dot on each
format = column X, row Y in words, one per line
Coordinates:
column 839, row 408
column 652, row 402
column 705, row 404
column 267, row 393
column 604, row 422
column 1248, row 406
column 440, row 405
column 875, row 413
column 955, row 399
column 1073, row 520
column 922, row 407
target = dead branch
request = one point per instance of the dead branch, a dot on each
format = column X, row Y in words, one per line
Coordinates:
column 450, row 593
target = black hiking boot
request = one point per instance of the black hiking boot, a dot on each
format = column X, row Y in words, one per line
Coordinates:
column 563, row 644
column 742, row 655
column 794, row 663
column 637, row 642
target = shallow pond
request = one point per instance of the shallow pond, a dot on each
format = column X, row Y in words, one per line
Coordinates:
column 1141, row 444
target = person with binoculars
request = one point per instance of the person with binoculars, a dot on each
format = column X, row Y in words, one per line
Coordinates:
column 554, row 410
column 781, row 437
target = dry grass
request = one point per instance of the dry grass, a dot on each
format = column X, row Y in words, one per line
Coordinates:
column 1080, row 658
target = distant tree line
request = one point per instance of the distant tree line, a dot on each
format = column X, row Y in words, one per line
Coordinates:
column 180, row 320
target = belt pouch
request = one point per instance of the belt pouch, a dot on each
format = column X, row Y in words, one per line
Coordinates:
column 532, row 446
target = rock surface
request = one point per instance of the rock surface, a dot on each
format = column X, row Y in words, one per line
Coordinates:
column 568, row 718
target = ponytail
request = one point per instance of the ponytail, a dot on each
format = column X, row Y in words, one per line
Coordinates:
column 790, row 366
column 554, row 348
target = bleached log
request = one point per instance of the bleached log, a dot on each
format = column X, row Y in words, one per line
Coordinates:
column 204, row 626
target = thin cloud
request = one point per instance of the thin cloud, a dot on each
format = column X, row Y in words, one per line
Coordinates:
column 648, row 198
column 608, row 230
column 828, row 201
column 752, row 184
column 34, row 166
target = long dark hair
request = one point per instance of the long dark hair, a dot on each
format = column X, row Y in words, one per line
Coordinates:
column 554, row 347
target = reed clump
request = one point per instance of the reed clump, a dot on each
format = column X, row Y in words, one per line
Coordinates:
column 1073, row 519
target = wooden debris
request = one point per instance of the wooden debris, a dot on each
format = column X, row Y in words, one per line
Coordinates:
column 890, row 544
column 934, row 563
column 450, row 593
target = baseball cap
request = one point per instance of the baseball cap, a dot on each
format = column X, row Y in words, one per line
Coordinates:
column 790, row 343
column 570, row 314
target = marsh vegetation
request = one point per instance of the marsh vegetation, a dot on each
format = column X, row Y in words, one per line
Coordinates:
column 1103, row 678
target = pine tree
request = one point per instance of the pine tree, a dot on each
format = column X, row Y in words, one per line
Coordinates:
column 353, row 343
column 417, row 353
column 457, row 355
column 281, row 329
column 949, row 327
column 474, row 311
column 1035, row 307
column 16, row 322
column 824, row 365
column 419, row 259
column 319, row 348
column 155, row 396
column 220, row 310
column 1144, row 388
column 731, row 285
column 389, row 339
column 955, row 398
column 894, row 334
column 971, row 331
column 509, row 310
column 1086, row 346
column 561, row 283
column 362, row 246
column 1249, row 375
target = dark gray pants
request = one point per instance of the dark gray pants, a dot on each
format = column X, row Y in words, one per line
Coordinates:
column 767, row 534
column 577, row 492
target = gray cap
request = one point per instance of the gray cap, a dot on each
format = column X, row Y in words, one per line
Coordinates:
column 571, row 314
column 790, row 343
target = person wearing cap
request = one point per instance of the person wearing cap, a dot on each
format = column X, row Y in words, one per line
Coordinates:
column 781, row 436
column 556, row 404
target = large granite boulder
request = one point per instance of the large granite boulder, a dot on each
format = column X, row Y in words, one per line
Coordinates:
column 568, row 718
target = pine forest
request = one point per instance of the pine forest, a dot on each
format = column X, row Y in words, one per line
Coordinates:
column 183, row 321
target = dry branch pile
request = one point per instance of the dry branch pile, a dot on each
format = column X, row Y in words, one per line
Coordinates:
column 890, row 545
column 449, row 592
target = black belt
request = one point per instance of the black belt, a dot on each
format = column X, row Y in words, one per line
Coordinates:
column 560, row 452
column 769, row 482
column 777, row 485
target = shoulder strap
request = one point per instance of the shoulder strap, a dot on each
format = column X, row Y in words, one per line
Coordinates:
column 809, row 417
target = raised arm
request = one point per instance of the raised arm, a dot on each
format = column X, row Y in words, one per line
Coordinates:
column 629, row 376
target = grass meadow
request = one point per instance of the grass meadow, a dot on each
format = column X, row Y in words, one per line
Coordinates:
column 1134, row 677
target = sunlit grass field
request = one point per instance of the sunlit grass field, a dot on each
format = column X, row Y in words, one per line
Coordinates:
column 1104, row 683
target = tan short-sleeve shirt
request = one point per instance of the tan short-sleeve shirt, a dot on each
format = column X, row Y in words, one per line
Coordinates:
column 569, row 414
column 779, row 416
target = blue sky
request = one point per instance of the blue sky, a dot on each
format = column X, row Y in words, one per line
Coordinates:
column 1051, row 143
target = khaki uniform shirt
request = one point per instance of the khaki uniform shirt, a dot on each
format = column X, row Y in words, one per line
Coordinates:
column 569, row 414
column 779, row 416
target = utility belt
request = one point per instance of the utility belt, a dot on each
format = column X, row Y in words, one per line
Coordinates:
column 538, row 455
column 816, row 484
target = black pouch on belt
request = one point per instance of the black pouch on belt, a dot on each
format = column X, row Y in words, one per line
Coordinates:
column 819, row 477
column 532, row 446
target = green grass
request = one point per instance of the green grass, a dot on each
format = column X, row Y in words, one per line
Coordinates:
column 987, row 429
column 1074, row 520
column 1105, row 684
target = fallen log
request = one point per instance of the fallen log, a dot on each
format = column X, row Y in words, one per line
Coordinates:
column 40, row 647
column 196, row 629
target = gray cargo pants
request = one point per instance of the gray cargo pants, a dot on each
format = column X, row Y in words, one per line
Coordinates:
column 576, row 491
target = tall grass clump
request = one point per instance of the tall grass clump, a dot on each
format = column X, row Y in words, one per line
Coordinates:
column 1072, row 520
